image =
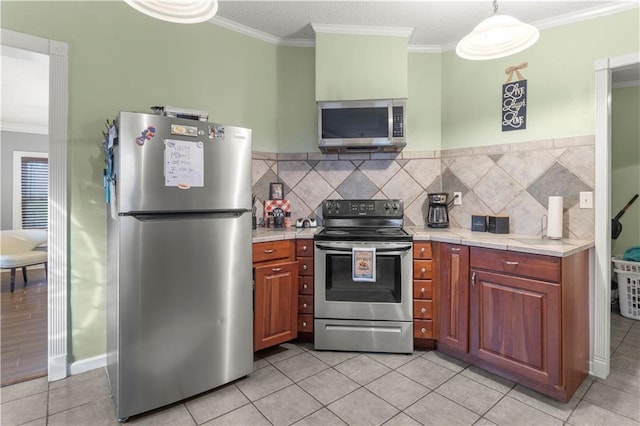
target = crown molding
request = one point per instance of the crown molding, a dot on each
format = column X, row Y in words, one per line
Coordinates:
column 243, row 29
column 24, row 128
column 362, row 30
column 594, row 12
column 569, row 18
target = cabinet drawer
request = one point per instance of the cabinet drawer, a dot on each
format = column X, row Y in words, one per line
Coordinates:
column 422, row 250
column 423, row 309
column 546, row 268
column 305, row 323
column 272, row 250
column 305, row 285
column 422, row 269
column 423, row 289
column 304, row 248
column 423, row 329
column 305, row 304
column 306, row 266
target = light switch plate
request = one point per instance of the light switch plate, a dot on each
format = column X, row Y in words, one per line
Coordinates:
column 586, row 200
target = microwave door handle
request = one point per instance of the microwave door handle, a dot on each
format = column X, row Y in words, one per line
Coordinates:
column 390, row 122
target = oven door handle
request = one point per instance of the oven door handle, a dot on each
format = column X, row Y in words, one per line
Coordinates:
column 378, row 250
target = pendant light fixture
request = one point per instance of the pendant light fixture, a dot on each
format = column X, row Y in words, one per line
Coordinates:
column 496, row 37
column 177, row 11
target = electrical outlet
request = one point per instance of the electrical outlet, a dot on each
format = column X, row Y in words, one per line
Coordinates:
column 457, row 198
column 586, row 200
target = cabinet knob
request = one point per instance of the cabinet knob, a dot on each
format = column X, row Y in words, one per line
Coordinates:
column 269, row 251
column 304, row 323
column 422, row 290
column 305, row 267
column 423, row 330
column 423, row 270
column 304, row 248
column 423, row 310
column 422, row 250
column 304, row 286
column 304, row 305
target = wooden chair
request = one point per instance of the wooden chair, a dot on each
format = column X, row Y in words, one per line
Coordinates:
column 19, row 248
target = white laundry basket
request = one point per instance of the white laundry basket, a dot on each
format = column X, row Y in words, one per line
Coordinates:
column 628, row 287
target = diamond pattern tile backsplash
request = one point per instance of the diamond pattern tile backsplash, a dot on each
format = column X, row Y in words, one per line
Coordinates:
column 514, row 180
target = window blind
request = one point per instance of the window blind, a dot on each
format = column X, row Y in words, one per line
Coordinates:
column 35, row 192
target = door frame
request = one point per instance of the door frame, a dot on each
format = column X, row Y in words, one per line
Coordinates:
column 601, row 318
column 58, row 276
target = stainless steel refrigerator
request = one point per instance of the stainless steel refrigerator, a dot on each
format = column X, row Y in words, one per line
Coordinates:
column 179, row 278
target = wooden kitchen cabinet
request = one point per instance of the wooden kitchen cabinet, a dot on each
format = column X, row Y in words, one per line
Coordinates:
column 453, row 297
column 423, row 295
column 276, row 293
column 304, row 255
column 522, row 316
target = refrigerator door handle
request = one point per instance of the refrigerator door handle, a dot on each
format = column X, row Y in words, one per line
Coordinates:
column 148, row 217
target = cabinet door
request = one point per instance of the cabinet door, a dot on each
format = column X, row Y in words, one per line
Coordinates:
column 454, row 297
column 515, row 325
column 275, row 304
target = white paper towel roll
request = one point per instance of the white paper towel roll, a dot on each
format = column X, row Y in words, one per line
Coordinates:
column 554, row 215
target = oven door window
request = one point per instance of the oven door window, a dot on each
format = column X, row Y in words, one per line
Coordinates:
column 340, row 286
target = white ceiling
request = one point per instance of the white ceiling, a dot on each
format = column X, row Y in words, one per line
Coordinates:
column 437, row 26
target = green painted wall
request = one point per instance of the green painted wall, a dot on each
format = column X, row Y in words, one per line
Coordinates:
column 121, row 59
column 560, row 77
column 297, row 114
column 625, row 164
column 424, row 106
column 352, row 67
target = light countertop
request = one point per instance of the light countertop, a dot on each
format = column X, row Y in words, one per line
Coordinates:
column 514, row 242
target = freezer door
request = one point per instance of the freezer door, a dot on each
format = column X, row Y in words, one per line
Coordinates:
column 172, row 164
column 185, row 308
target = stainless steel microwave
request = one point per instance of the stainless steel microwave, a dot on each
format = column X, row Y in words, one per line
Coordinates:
column 378, row 125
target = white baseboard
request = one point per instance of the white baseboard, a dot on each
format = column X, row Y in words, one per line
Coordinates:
column 88, row 364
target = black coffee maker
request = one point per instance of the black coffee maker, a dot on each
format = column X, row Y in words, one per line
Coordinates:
column 438, row 213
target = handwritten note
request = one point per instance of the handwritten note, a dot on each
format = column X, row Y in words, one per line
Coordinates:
column 514, row 105
column 183, row 164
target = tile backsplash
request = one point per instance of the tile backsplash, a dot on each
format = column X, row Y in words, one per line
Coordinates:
column 513, row 179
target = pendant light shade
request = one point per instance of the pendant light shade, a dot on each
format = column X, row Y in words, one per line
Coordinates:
column 496, row 37
column 177, row 11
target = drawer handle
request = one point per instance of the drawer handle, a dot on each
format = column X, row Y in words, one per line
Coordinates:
column 422, row 250
column 423, row 290
column 304, row 305
column 304, row 323
column 423, row 330
column 423, row 270
column 304, row 286
column 510, row 263
column 454, row 250
column 423, row 310
column 276, row 269
column 304, row 248
column 305, row 267
column 269, row 251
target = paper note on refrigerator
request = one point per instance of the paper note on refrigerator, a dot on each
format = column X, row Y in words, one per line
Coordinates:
column 183, row 164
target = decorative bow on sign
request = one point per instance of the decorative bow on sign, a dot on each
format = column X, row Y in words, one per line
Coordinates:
column 514, row 100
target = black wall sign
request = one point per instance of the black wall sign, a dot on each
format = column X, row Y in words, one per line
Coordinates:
column 514, row 105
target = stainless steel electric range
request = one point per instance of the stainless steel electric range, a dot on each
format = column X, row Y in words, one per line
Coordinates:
column 363, row 278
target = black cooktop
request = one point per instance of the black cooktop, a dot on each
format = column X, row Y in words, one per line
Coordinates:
column 363, row 234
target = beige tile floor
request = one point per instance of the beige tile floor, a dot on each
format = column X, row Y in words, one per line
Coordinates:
column 292, row 384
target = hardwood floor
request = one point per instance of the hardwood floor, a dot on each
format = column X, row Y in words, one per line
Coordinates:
column 23, row 315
